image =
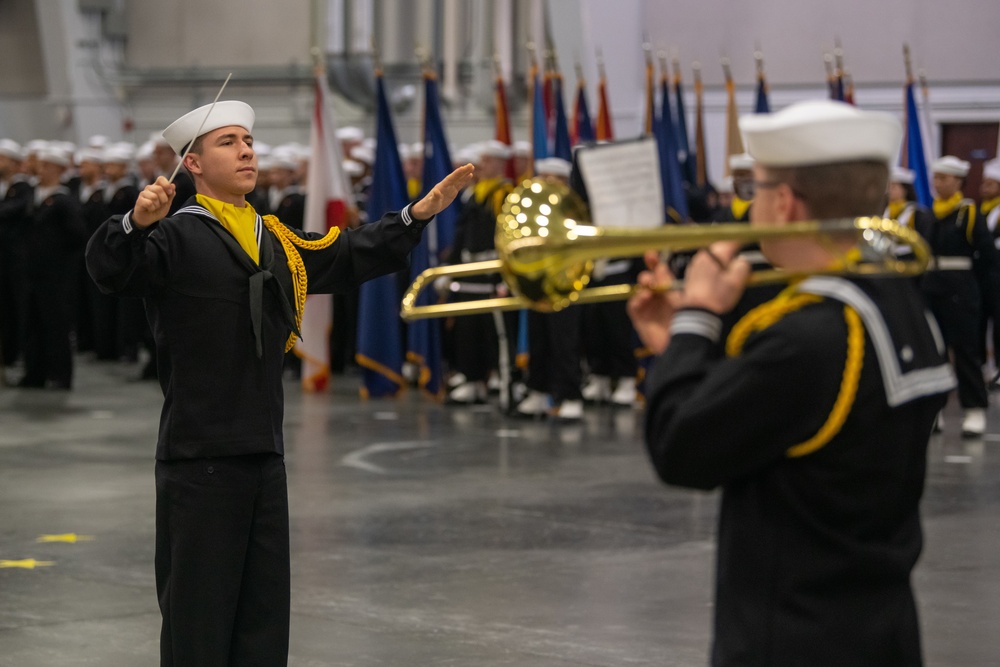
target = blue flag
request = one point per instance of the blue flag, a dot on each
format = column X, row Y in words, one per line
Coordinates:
column 539, row 130
column 689, row 162
column 762, row 105
column 670, row 169
column 583, row 128
column 915, row 150
column 424, row 336
column 561, row 146
column 380, row 344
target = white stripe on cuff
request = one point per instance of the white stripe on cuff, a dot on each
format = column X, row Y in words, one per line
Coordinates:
column 699, row 323
column 127, row 223
column 405, row 215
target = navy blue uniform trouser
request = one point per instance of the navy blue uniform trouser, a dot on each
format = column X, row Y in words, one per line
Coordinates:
column 222, row 561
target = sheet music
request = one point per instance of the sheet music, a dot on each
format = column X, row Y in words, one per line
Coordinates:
column 623, row 183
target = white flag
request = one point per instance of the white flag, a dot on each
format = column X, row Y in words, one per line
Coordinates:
column 328, row 196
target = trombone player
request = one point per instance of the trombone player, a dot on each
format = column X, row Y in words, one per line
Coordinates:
column 813, row 416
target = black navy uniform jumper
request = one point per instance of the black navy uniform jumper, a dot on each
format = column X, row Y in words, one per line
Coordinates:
column 962, row 248
column 94, row 210
column 815, row 544
column 53, row 239
column 220, row 322
column 14, row 204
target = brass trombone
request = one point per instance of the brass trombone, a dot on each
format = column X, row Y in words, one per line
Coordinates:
column 547, row 248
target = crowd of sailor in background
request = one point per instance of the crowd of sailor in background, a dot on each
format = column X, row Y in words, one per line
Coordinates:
column 53, row 195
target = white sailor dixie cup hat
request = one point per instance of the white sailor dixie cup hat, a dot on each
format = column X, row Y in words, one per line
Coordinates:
column 902, row 175
column 230, row 112
column 950, row 165
column 991, row 170
column 820, row 132
column 740, row 162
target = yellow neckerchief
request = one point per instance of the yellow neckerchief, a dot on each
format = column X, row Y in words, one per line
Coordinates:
column 739, row 207
column 943, row 207
column 896, row 208
column 413, row 187
column 483, row 188
column 990, row 204
column 239, row 222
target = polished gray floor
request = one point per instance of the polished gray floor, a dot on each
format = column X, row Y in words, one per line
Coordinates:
column 429, row 535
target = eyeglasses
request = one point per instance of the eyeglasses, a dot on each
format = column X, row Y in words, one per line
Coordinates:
column 771, row 185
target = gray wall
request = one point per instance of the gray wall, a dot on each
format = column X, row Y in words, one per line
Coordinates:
column 80, row 83
column 953, row 40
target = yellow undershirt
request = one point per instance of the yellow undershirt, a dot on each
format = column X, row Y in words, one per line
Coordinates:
column 942, row 207
column 239, row 222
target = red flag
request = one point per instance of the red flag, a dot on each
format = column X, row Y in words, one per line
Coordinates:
column 503, row 122
column 602, row 128
column 328, row 195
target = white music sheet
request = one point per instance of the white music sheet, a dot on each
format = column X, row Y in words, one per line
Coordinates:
column 623, row 183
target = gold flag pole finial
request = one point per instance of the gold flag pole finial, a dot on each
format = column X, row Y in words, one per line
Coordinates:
column 726, row 70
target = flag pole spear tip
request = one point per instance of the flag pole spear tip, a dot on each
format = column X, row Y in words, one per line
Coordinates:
column 319, row 66
column 197, row 133
column 376, row 57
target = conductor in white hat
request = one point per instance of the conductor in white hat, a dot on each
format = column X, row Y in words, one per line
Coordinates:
column 224, row 290
column 813, row 416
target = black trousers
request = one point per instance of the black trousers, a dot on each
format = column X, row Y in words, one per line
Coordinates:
column 222, row 561
column 959, row 318
column 475, row 343
column 607, row 336
column 48, row 347
column 554, row 342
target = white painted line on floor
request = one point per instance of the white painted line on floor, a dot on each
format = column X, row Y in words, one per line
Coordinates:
column 956, row 458
column 357, row 460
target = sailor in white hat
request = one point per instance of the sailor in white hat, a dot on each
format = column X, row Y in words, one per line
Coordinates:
column 989, row 194
column 474, row 241
column 813, row 415
column 989, row 215
column 523, row 158
column 965, row 284
column 54, row 237
column 224, row 291
column 903, row 207
column 15, row 197
column 11, row 155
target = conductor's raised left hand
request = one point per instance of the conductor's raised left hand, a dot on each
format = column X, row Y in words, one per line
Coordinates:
column 444, row 193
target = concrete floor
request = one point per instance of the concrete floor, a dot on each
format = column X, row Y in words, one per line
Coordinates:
column 429, row 535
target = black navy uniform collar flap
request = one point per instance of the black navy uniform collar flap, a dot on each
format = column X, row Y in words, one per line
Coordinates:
column 913, row 365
